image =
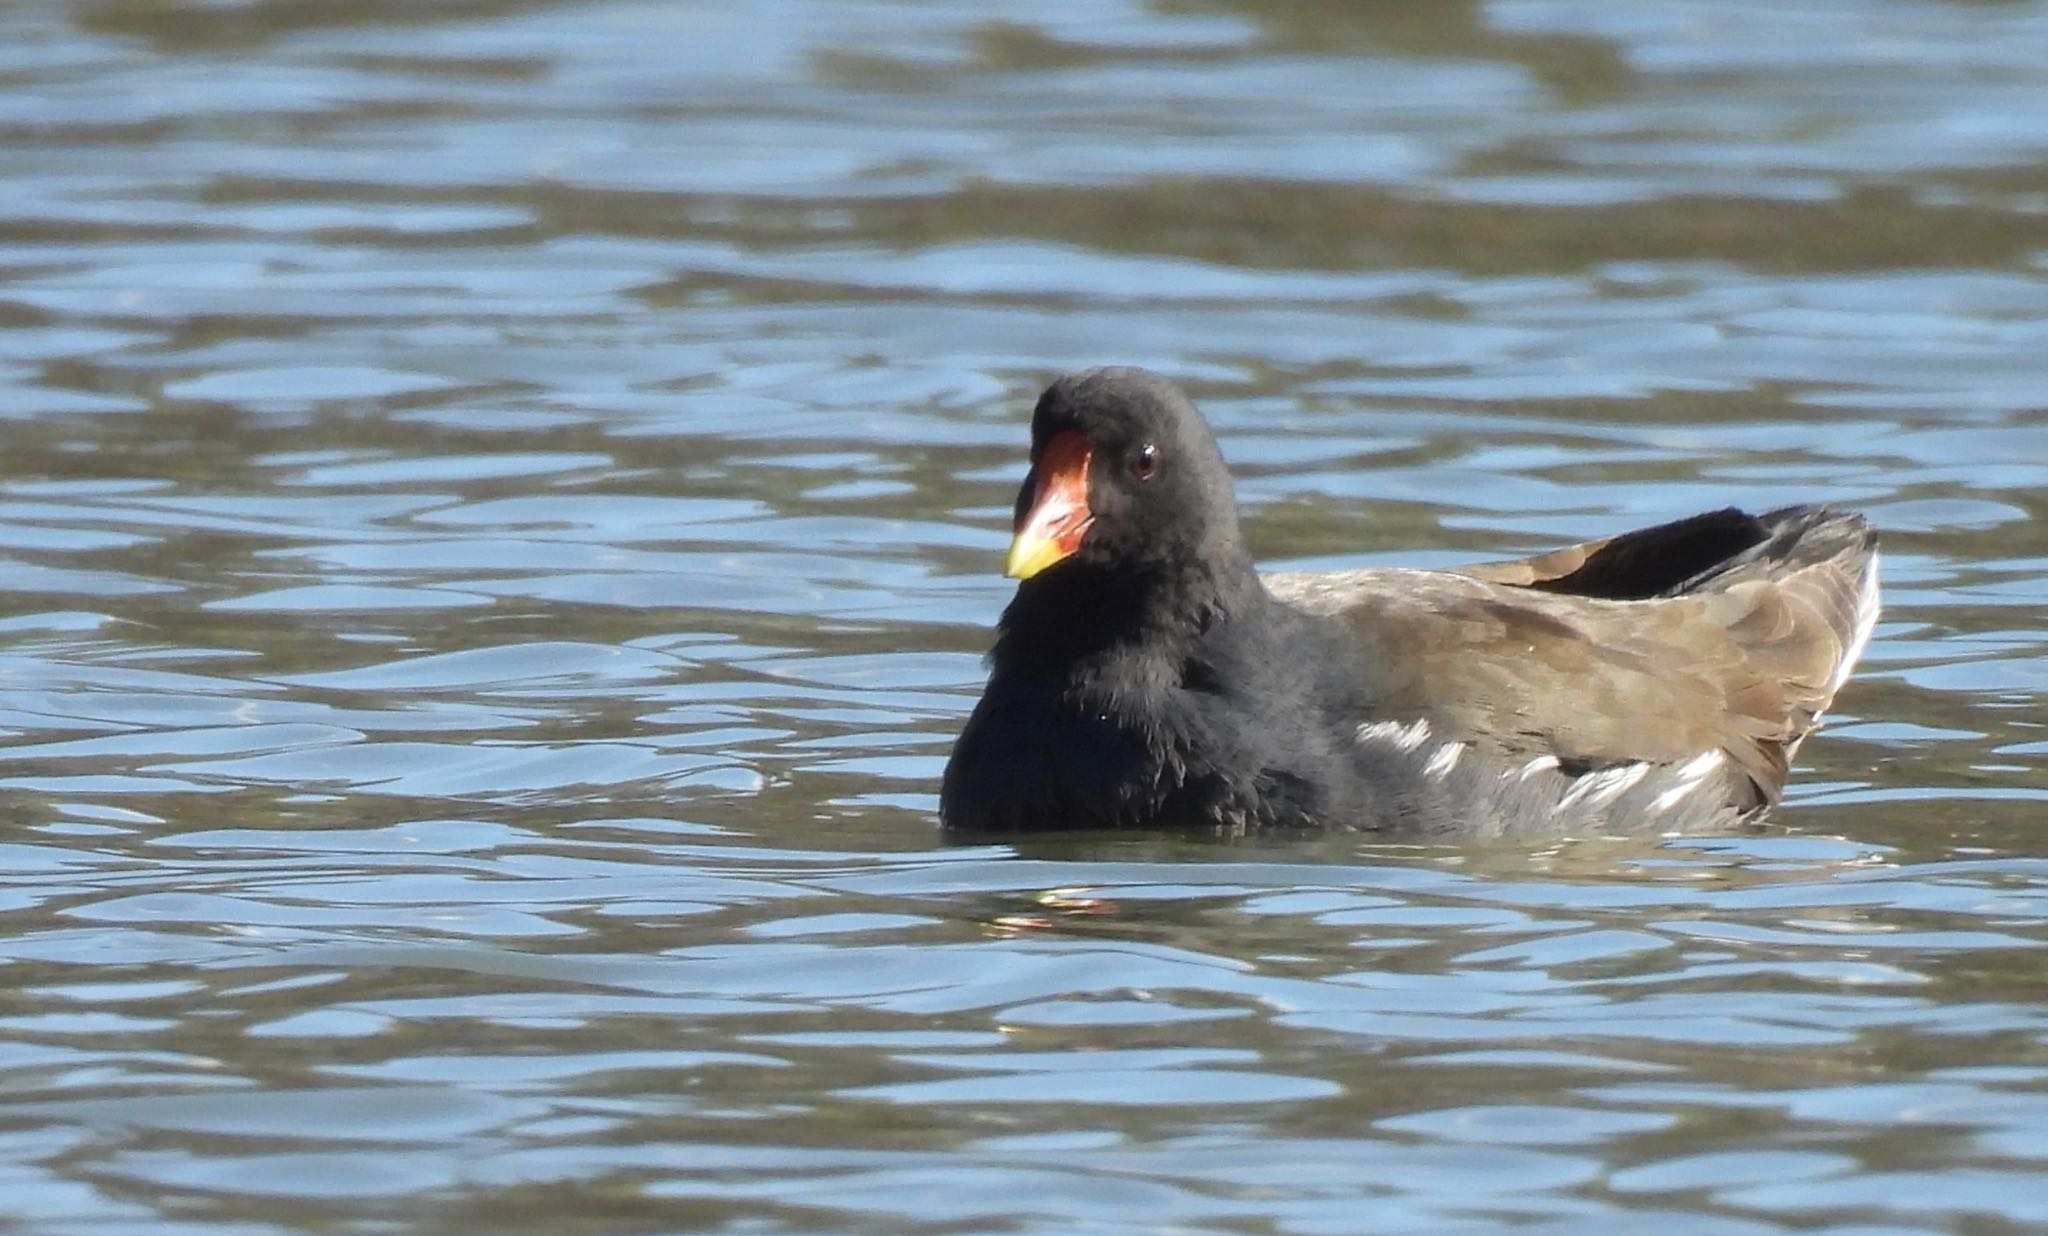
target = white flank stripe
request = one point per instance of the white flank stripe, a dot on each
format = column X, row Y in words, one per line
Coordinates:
column 1697, row 768
column 1445, row 759
column 1673, row 796
column 1404, row 737
column 1615, row 783
column 1690, row 776
column 1601, row 787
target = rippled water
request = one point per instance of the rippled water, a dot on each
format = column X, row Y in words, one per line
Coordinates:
column 499, row 506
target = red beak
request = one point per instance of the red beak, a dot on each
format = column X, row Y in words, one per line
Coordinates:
column 1059, row 517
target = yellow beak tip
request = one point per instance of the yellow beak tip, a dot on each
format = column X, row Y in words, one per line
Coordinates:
column 1029, row 555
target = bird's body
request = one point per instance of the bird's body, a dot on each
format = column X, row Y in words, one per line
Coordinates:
column 1146, row 676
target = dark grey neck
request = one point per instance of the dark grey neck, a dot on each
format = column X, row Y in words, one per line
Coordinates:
column 1078, row 612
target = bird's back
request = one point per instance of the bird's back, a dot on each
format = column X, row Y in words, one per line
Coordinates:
column 1627, row 684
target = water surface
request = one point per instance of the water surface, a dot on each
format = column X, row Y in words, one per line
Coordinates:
column 499, row 508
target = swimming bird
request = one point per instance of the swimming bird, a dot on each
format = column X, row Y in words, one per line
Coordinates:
column 1146, row 675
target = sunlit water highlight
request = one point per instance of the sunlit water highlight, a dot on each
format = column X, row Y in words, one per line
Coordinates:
column 498, row 509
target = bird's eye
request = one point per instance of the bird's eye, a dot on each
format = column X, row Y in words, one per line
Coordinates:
column 1145, row 462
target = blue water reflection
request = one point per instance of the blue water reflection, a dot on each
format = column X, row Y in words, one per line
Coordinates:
column 498, row 518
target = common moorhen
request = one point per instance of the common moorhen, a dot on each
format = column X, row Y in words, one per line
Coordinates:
column 1147, row 676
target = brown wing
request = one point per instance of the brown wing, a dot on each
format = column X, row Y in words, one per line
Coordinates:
column 1744, row 666
column 1541, row 569
column 1670, row 557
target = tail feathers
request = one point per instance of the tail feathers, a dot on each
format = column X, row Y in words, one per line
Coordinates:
column 1697, row 554
column 1801, row 604
column 1792, row 540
